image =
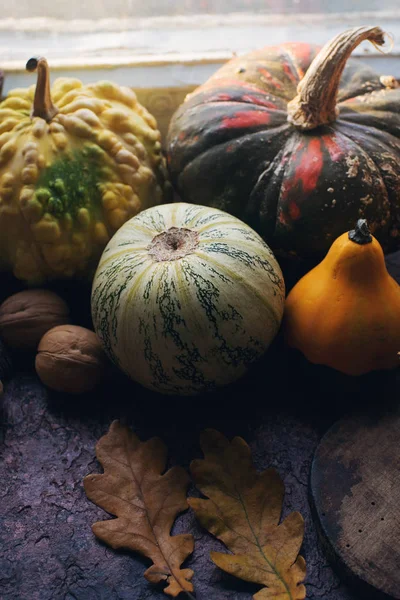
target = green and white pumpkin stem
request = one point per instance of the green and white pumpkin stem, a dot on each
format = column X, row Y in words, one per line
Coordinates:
column 43, row 106
column 315, row 103
column 186, row 297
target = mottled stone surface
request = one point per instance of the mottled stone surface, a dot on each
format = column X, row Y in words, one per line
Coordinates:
column 47, row 549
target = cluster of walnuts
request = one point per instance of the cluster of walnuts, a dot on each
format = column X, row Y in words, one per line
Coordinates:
column 69, row 358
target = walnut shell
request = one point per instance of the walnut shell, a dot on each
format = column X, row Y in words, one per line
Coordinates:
column 70, row 359
column 26, row 316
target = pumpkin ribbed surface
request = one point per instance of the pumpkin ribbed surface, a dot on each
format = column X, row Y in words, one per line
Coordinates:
column 237, row 143
column 186, row 297
column 69, row 182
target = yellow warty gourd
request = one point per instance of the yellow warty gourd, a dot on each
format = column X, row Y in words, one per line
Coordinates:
column 71, row 173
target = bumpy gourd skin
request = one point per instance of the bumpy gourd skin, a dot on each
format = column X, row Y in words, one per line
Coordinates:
column 345, row 313
column 68, row 184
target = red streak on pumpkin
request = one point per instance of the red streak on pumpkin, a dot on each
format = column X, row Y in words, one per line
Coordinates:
column 335, row 151
column 310, row 166
column 294, row 211
column 258, row 101
column 238, row 97
column 248, row 118
column 222, row 97
column 266, row 75
column 288, row 71
column 228, row 83
column 302, row 55
column 282, row 217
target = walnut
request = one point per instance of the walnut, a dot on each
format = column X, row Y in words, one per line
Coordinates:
column 26, row 316
column 71, row 359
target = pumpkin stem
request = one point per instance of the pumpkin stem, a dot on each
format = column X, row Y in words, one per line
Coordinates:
column 173, row 244
column 361, row 233
column 315, row 103
column 43, row 106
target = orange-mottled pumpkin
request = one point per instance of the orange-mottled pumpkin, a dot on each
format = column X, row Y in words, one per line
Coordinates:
column 297, row 142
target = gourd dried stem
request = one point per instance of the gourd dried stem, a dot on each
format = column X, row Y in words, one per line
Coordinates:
column 315, row 103
column 43, row 106
column 360, row 234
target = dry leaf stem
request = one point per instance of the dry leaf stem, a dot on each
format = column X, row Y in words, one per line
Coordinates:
column 243, row 510
column 146, row 501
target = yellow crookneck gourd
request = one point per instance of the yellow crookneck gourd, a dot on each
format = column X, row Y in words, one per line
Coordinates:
column 71, row 173
column 345, row 313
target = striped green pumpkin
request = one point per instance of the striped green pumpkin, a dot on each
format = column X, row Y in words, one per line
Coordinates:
column 186, row 297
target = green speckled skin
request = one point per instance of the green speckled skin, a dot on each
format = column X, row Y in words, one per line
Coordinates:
column 192, row 320
column 72, row 183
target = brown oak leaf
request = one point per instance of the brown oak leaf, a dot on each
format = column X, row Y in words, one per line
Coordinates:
column 243, row 510
column 145, row 502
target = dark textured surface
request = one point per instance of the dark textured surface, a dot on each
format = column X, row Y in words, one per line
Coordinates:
column 48, row 552
column 355, row 488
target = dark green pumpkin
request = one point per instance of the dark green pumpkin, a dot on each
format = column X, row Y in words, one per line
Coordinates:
column 298, row 169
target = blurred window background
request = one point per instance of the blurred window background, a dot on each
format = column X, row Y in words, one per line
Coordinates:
column 103, row 9
column 174, row 45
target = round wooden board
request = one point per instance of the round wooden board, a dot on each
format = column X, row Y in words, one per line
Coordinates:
column 355, row 487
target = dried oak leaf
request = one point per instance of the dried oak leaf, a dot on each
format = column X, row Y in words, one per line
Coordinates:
column 243, row 510
column 145, row 503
